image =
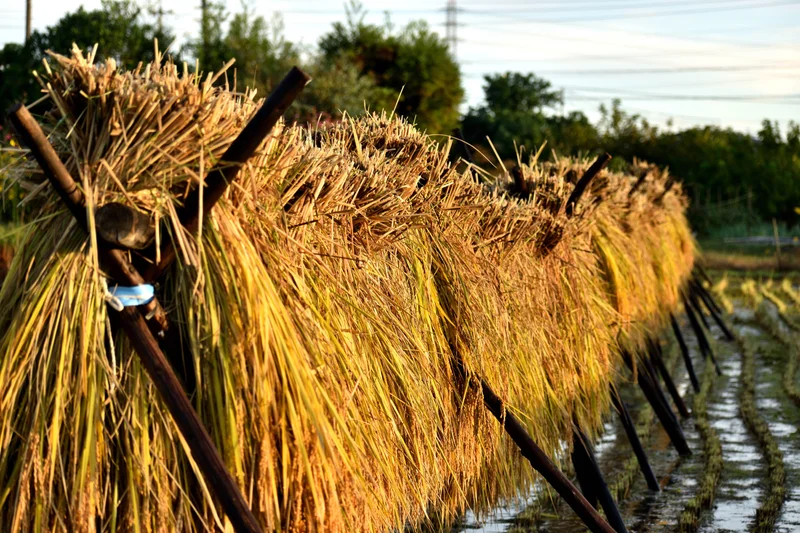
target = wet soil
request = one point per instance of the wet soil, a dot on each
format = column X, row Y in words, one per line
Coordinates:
column 747, row 409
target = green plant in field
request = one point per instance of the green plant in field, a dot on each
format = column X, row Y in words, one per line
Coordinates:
column 775, row 492
column 689, row 519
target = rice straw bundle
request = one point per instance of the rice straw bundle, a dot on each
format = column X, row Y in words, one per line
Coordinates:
column 321, row 308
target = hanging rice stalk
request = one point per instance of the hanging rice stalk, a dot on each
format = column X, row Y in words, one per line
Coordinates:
column 319, row 308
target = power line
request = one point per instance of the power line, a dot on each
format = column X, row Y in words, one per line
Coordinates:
column 667, row 70
column 663, row 96
column 599, row 6
column 667, row 13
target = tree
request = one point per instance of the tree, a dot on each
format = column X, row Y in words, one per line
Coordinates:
column 119, row 28
column 513, row 117
column 520, row 93
column 413, row 69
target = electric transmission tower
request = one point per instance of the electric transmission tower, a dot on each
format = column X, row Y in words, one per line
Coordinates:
column 451, row 25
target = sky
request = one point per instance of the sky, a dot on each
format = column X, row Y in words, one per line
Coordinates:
column 729, row 63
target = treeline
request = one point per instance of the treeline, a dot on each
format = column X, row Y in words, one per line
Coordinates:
column 358, row 66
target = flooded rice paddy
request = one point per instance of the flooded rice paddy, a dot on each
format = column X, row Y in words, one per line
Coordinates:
column 750, row 413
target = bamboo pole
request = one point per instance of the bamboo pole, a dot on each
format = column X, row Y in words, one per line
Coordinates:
column 152, row 358
column 633, row 439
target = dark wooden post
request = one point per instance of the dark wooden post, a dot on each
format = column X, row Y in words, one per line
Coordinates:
column 658, row 361
column 591, row 479
column 662, row 409
column 203, row 450
column 638, row 184
column 633, row 438
column 648, row 370
column 692, row 297
column 702, row 341
column 225, row 171
column 580, row 463
column 465, row 155
column 541, row 463
column 687, row 360
column 599, row 164
column 713, row 310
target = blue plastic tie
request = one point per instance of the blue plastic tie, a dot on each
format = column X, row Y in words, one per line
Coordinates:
column 119, row 297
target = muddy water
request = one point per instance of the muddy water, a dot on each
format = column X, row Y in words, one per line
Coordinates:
column 740, row 484
column 740, row 488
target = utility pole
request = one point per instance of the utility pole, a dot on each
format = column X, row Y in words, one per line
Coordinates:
column 27, row 20
column 159, row 14
column 451, row 25
column 204, row 33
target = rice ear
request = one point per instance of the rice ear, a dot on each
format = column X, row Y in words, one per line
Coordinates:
column 318, row 309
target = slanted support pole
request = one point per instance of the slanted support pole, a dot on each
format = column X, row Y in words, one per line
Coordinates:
column 172, row 394
column 692, row 297
column 712, row 307
column 591, row 479
column 662, row 409
column 599, row 164
column 658, row 361
column 687, row 360
column 540, row 462
column 226, row 170
column 633, row 438
column 465, row 155
column 702, row 341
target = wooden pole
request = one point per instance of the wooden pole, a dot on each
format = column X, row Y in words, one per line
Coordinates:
column 599, row 164
column 152, row 358
column 705, row 298
column 638, row 184
column 204, row 453
column 658, row 361
column 663, row 411
column 667, row 188
column 697, row 309
column 687, row 360
column 633, row 439
column 466, row 155
column 542, row 464
column 702, row 341
column 700, row 273
column 648, row 370
column 593, row 480
column 580, row 463
column 28, row 20
column 32, row 136
column 237, row 154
